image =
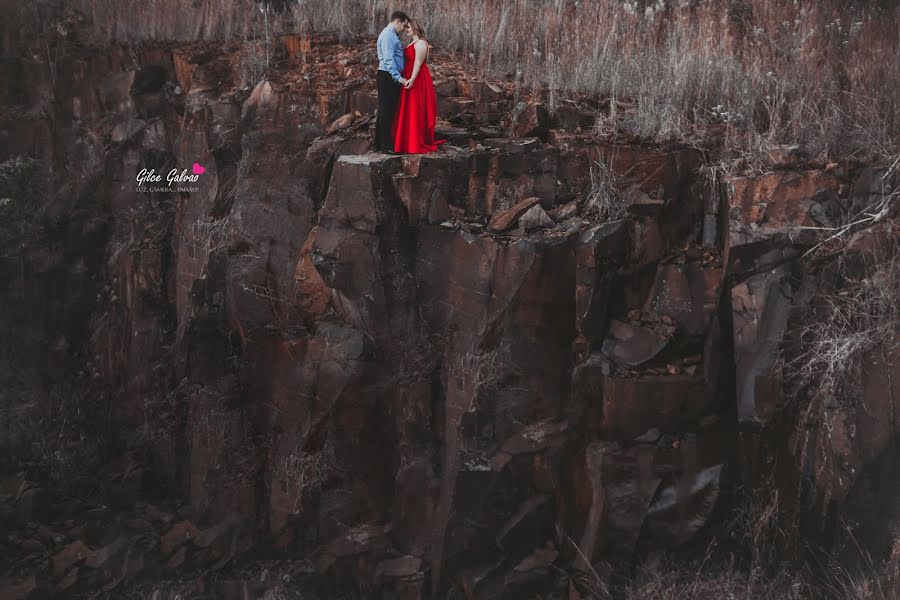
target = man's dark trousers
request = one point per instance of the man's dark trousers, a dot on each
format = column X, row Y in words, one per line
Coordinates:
column 388, row 97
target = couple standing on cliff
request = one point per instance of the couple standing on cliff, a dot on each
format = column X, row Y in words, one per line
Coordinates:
column 407, row 103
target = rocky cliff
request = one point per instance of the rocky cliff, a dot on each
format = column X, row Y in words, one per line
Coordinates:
column 514, row 368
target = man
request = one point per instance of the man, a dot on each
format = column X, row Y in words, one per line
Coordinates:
column 389, row 80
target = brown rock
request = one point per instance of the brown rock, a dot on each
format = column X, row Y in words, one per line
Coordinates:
column 540, row 435
column 314, row 295
column 484, row 91
column 126, row 130
column 177, row 559
column 69, row 580
column 341, row 123
column 688, row 294
column 514, row 145
column 630, row 345
column 634, row 405
column 597, row 252
column 20, row 590
column 564, row 212
column 446, row 88
column 73, row 554
column 539, row 559
column 761, row 307
column 777, row 204
column 438, row 209
column 530, row 525
column 676, row 515
column 181, row 533
column 504, row 220
column 296, row 45
column 405, row 566
column 529, row 119
column 535, row 218
column 110, row 552
column 357, row 540
column 32, row 545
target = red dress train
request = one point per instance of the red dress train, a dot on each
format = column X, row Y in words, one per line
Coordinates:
column 416, row 111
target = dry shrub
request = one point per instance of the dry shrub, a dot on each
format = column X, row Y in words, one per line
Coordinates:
column 192, row 20
column 754, row 527
column 702, row 584
column 849, row 324
column 302, row 472
column 604, row 199
column 854, row 304
column 844, row 325
column 254, row 61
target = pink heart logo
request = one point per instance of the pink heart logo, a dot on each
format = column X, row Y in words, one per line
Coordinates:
column 198, row 169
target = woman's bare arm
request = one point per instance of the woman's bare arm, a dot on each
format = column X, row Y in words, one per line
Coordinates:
column 421, row 50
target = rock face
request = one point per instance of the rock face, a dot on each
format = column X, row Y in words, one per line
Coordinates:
column 401, row 367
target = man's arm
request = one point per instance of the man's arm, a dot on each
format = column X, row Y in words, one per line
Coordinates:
column 386, row 49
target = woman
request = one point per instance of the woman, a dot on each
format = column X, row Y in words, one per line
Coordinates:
column 417, row 109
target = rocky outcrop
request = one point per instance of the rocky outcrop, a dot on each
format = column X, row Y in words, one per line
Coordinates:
column 415, row 372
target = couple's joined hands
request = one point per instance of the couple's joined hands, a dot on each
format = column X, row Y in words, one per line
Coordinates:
column 407, row 83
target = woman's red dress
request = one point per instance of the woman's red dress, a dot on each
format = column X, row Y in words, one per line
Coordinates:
column 416, row 111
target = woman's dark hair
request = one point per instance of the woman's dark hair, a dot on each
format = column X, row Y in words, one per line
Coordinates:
column 398, row 14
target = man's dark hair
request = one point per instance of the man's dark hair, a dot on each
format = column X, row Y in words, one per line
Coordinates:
column 399, row 14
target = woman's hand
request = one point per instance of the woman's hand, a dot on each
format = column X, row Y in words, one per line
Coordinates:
column 409, row 83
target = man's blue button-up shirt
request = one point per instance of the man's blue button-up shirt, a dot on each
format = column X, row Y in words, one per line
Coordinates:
column 390, row 52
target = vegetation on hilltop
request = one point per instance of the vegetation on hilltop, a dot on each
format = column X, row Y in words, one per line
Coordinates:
column 822, row 74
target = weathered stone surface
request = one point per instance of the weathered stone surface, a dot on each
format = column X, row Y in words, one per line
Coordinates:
column 127, row 130
column 427, row 184
column 598, row 252
column 529, row 119
column 778, row 205
column 656, row 173
column 631, row 345
column 564, row 211
column 181, row 533
column 631, row 406
column 498, row 179
column 19, row 590
column 688, row 293
column 760, row 307
column 681, row 509
column 446, row 87
column 535, row 218
column 73, row 554
column 631, row 485
column 335, row 346
column 514, row 145
column 506, row 219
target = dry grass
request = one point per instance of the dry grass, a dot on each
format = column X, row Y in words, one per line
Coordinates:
column 843, row 327
column 823, row 74
column 703, row 584
column 604, row 199
column 856, row 313
column 302, row 472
